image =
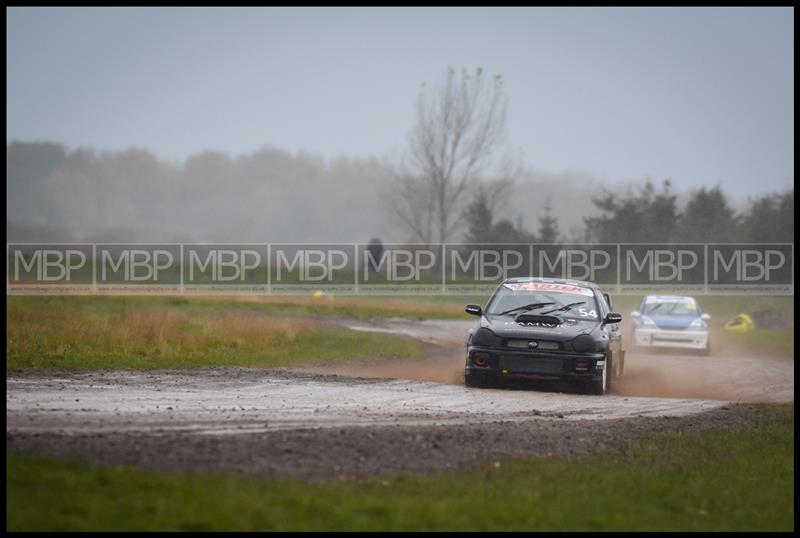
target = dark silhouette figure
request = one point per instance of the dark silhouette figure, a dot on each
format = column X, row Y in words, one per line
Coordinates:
column 375, row 248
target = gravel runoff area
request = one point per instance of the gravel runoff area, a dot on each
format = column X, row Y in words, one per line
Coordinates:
column 312, row 426
column 371, row 417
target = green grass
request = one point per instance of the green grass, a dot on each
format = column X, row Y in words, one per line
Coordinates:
column 759, row 342
column 145, row 333
column 362, row 308
column 721, row 307
column 167, row 332
column 766, row 342
column 718, row 480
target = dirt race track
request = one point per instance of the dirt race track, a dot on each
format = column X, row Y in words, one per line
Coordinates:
column 370, row 417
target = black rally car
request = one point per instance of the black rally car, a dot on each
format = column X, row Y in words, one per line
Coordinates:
column 546, row 329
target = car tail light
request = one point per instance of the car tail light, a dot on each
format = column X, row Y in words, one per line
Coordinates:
column 481, row 361
column 581, row 366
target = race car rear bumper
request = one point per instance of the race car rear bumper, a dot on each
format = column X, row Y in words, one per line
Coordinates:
column 665, row 338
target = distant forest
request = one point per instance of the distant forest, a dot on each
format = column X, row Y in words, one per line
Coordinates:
column 645, row 214
column 56, row 194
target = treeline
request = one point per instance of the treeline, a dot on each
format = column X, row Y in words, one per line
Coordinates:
column 65, row 195
column 55, row 194
column 482, row 227
column 645, row 214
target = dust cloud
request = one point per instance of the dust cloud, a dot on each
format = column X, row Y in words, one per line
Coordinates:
column 729, row 374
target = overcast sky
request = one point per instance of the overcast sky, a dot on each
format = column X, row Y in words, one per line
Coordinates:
column 702, row 96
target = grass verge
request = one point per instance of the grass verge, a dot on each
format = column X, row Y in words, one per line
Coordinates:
column 153, row 332
column 718, row 480
column 145, row 333
column 762, row 342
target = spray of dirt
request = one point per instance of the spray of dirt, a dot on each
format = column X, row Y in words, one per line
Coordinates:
column 742, row 380
column 730, row 373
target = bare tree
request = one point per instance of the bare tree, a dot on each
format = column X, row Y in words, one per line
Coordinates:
column 459, row 130
column 411, row 202
column 499, row 188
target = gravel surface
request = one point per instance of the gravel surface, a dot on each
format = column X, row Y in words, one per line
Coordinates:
column 370, row 417
column 338, row 452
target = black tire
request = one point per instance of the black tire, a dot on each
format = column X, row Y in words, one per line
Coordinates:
column 475, row 381
column 614, row 369
column 603, row 385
